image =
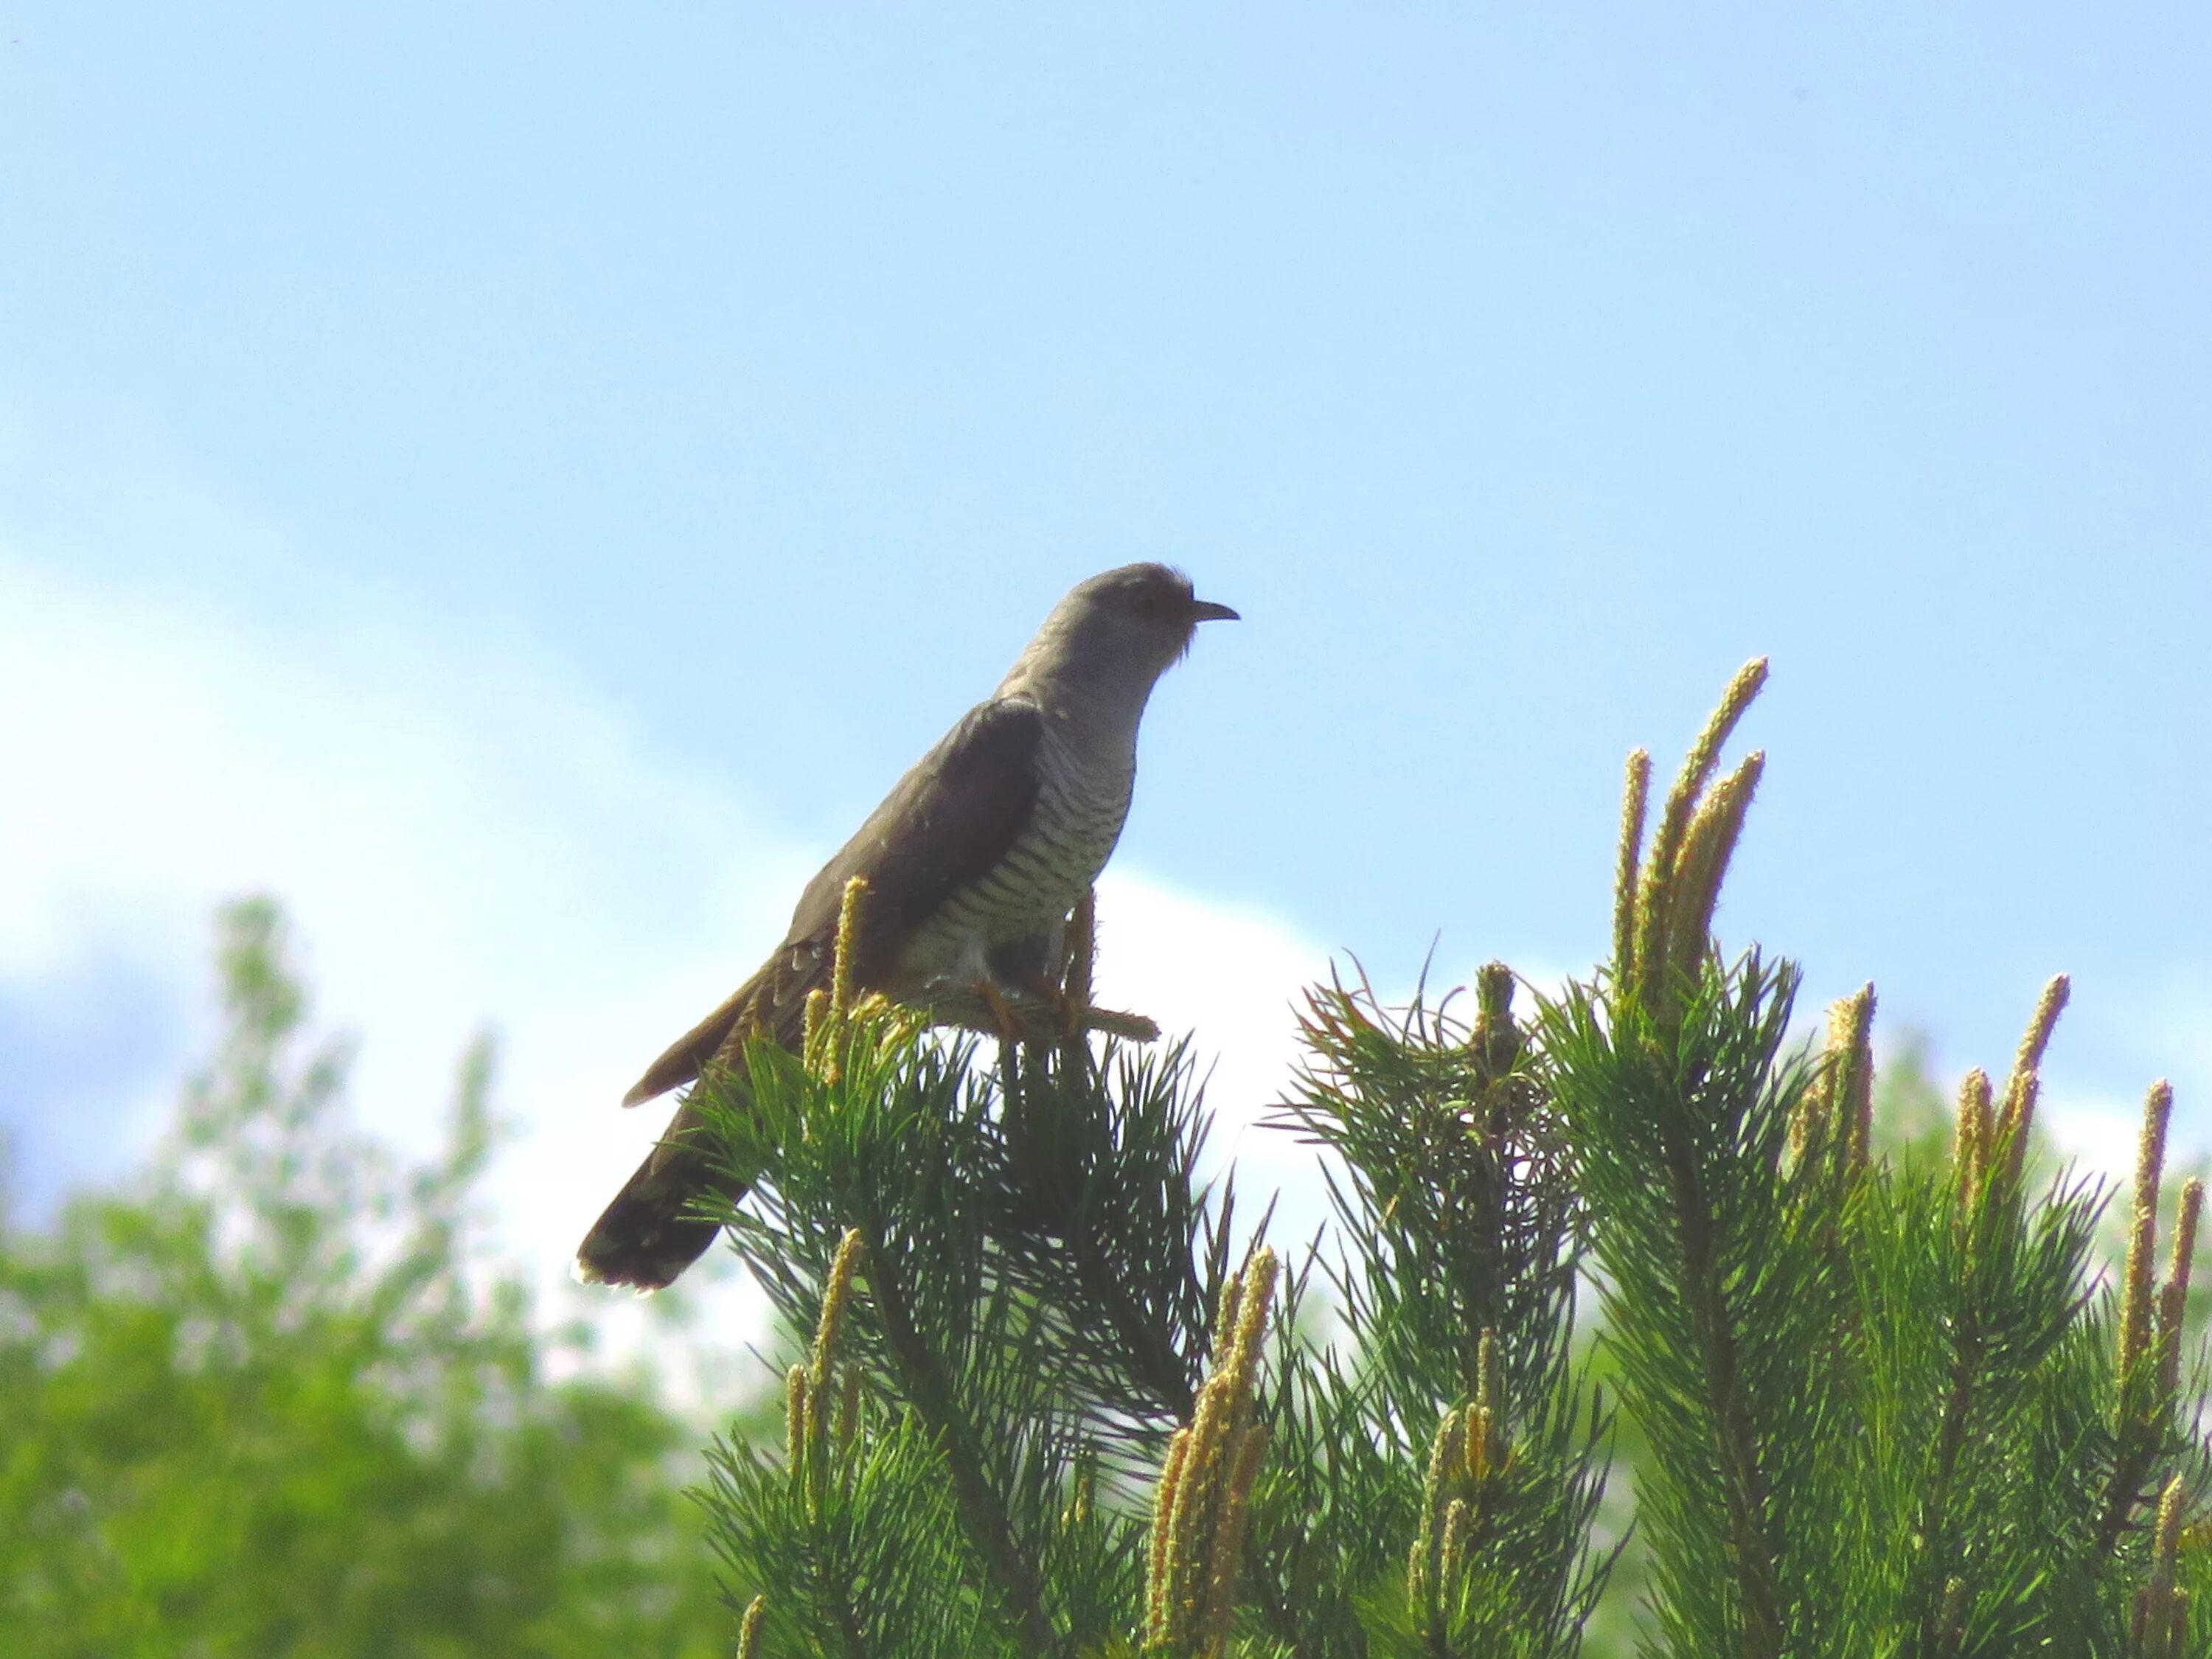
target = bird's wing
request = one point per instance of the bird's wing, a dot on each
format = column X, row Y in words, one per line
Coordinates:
column 946, row 824
column 680, row 1062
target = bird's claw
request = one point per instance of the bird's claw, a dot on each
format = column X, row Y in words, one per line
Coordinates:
column 1045, row 1013
column 1000, row 1008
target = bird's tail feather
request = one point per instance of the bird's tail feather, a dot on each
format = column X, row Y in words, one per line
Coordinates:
column 653, row 1230
column 684, row 1058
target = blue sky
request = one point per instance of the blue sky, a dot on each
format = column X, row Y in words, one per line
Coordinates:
column 521, row 480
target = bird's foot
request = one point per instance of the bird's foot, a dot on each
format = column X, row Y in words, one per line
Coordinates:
column 1071, row 1017
column 1044, row 1012
column 1009, row 1025
column 1132, row 1028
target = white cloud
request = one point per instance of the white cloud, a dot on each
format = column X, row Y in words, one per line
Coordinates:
column 462, row 837
column 1232, row 977
column 2097, row 1134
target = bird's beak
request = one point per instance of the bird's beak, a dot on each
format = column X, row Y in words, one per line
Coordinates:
column 1206, row 611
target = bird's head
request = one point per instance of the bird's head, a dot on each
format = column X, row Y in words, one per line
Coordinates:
column 1120, row 630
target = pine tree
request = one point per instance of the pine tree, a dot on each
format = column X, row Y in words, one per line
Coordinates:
column 1057, row 1402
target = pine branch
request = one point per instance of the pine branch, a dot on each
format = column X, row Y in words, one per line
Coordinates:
column 1743, row 1481
column 2147, row 1364
column 1203, row 1499
column 1725, row 1263
column 927, row 1389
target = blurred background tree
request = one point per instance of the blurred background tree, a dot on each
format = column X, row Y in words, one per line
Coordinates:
column 260, row 1402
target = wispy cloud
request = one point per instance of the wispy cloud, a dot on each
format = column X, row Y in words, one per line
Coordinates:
column 461, row 835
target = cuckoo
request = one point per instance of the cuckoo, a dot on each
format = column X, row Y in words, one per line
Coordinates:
column 974, row 863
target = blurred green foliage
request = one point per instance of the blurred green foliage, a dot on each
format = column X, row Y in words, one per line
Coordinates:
column 262, row 1402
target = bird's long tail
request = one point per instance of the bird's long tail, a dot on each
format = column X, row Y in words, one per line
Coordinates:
column 653, row 1230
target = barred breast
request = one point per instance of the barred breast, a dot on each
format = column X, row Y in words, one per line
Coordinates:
column 1080, row 807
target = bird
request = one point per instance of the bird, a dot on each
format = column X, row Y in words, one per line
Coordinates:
column 973, row 864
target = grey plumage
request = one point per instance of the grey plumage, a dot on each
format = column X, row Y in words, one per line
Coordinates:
column 973, row 861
